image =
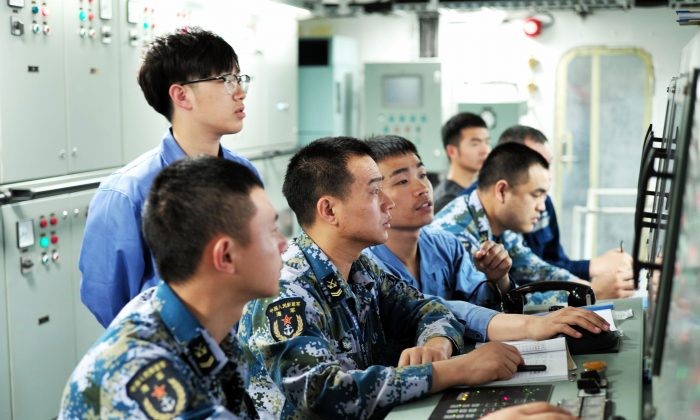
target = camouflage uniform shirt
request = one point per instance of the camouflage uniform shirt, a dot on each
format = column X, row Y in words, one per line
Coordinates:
column 465, row 218
column 156, row 361
column 325, row 347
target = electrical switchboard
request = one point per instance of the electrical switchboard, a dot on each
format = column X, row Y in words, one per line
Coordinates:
column 32, row 91
column 40, row 238
column 404, row 99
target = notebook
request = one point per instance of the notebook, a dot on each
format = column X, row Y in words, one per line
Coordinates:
column 552, row 353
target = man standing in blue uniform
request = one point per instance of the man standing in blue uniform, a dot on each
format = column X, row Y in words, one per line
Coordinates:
column 436, row 263
column 610, row 274
column 344, row 339
column 172, row 351
column 192, row 79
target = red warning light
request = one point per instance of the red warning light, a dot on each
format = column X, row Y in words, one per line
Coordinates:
column 532, row 27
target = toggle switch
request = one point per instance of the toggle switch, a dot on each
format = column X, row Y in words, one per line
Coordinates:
column 25, row 264
column 16, row 26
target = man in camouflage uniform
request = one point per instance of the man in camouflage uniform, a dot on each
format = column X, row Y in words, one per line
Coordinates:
column 328, row 345
column 172, row 351
column 509, row 198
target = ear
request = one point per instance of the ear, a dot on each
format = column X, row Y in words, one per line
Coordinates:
column 327, row 209
column 223, row 253
column 451, row 151
column 180, row 96
column 499, row 190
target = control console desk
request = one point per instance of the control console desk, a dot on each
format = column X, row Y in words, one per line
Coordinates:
column 624, row 373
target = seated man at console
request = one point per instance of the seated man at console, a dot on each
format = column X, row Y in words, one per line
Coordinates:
column 172, row 351
column 610, row 274
column 345, row 339
column 435, row 262
column 510, row 195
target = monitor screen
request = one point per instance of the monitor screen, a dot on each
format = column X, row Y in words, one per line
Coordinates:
column 402, row 91
column 677, row 344
column 673, row 294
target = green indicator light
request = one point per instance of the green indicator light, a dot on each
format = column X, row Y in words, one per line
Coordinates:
column 44, row 242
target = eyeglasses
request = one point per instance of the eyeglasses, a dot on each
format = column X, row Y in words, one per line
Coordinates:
column 231, row 81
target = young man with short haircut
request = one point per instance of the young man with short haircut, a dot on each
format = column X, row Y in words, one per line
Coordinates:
column 509, row 198
column 435, row 261
column 466, row 141
column 610, row 273
column 172, row 351
column 192, row 79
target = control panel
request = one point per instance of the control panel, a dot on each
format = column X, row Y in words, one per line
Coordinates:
column 404, row 99
column 41, row 239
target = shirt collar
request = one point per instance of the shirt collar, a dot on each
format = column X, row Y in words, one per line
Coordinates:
column 172, row 150
column 175, row 315
column 188, row 332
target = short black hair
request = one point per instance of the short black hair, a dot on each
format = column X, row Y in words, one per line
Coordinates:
column 452, row 129
column 509, row 161
column 192, row 201
column 520, row 133
column 181, row 56
column 318, row 169
column 387, row 146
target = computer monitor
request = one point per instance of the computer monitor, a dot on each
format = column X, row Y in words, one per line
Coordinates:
column 675, row 287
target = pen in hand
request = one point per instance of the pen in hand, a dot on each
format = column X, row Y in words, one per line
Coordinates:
column 532, row 368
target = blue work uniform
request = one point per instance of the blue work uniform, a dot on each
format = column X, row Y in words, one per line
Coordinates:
column 115, row 261
column 447, row 272
column 157, row 361
column 544, row 241
column 465, row 218
column 326, row 347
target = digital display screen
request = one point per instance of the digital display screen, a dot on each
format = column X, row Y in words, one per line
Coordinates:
column 402, row 91
column 25, row 233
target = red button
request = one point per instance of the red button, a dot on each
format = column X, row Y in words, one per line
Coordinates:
column 54, row 239
column 43, row 223
column 53, row 220
column 91, row 16
column 44, row 11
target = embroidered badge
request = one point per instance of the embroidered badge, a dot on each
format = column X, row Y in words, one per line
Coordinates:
column 202, row 355
column 334, row 288
column 157, row 389
column 286, row 318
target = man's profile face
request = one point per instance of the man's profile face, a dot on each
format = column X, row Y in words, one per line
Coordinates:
column 218, row 111
column 472, row 149
column 407, row 185
column 524, row 203
column 261, row 257
column 363, row 214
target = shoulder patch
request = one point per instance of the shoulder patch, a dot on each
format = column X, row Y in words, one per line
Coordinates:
column 286, row 317
column 158, row 390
